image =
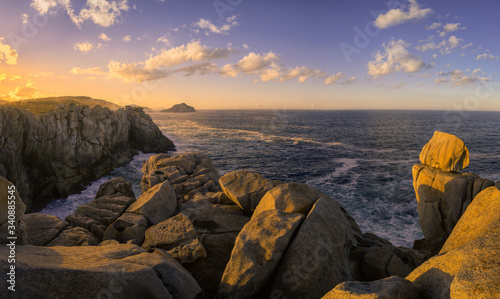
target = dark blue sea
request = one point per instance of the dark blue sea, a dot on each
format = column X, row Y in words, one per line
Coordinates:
column 362, row 159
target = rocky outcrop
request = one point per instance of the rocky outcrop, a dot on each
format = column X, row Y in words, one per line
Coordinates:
column 75, row 236
column 180, row 108
column 51, row 155
column 119, row 271
column 445, row 152
column 467, row 265
column 443, row 194
column 188, row 174
column 393, row 287
column 129, row 228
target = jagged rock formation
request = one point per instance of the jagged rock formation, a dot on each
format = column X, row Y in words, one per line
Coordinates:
column 180, row 108
column 50, row 155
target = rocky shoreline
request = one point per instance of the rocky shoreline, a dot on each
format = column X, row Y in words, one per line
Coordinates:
column 194, row 234
column 53, row 154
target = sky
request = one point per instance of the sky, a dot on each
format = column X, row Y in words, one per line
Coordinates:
column 242, row 54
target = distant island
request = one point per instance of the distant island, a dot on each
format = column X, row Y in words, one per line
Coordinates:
column 180, row 108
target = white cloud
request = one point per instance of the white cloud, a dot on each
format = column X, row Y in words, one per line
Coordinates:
column 7, row 54
column 104, row 37
column 245, row 46
column 398, row 16
column 209, row 27
column 164, row 40
column 394, row 58
column 86, row 47
column 486, row 56
column 333, row 79
column 24, row 92
column 459, row 77
column 127, row 38
column 24, row 18
column 452, row 27
column 88, row 71
column 445, row 45
column 203, row 68
column 302, row 74
column 129, row 72
column 434, row 26
column 468, row 45
column 101, row 12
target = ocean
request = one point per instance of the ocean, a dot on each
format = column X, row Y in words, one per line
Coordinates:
column 362, row 159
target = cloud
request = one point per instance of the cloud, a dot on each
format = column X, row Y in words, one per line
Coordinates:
column 302, row 74
column 445, row 45
column 24, row 18
column 394, row 58
column 101, row 12
column 333, row 79
column 88, row 71
column 452, row 27
column 164, row 40
column 161, row 65
column 203, row 68
column 398, row 16
column 486, row 56
column 86, row 47
column 7, row 54
column 434, row 26
column 127, row 39
column 209, row 27
column 24, row 92
column 468, row 45
column 104, row 37
column 460, row 77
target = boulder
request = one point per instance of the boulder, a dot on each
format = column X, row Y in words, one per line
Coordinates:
column 289, row 197
column 157, row 204
column 441, row 199
column 177, row 237
column 257, row 251
column 12, row 209
column 445, row 152
column 117, row 186
column 42, row 229
column 128, row 227
column 217, row 227
column 245, row 188
column 116, row 271
column 393, row 287
column 318, row 257
column 467, row 266
column 100, row 213
column 76, row 236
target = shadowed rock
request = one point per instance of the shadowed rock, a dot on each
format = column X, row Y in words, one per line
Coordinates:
column 393, row 287
column 10, row 200
column 42, row 229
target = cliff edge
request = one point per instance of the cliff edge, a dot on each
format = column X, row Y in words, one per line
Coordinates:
column 53, row 154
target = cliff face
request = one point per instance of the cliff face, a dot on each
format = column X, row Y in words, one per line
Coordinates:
column 50, row 155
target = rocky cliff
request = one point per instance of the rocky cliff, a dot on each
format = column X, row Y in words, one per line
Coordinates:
column 51, row 155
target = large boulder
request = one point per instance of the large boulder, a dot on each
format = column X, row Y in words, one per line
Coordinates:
column 317, row 259
column 42, row 229
column 445, row 152
column 157, row 204
column 12, row 209
column 442, row 197
column 245, row 188
column 177, row 237
column 290, row 197
column 257, row 251
column 393, row 287
column 128, row 228
column 116, row 186
column 467, row 266
column 118, row 271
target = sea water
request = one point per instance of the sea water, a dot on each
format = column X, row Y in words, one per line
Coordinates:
column 362, row 159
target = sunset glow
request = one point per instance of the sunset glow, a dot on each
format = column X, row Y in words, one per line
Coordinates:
column 254, row 54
